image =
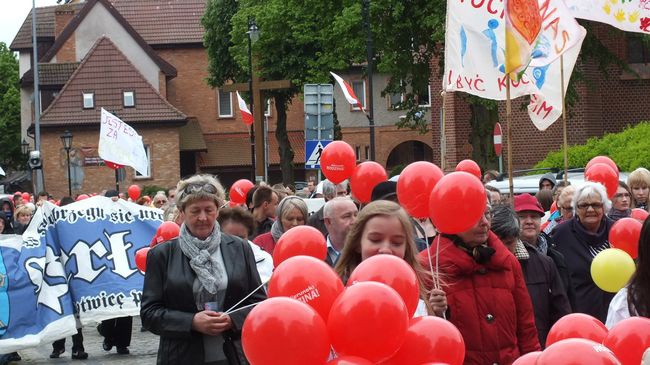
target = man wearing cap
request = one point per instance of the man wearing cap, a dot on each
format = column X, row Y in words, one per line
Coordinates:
column 530, row 214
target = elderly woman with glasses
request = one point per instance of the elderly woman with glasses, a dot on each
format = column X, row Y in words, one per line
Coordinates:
column 194, row 282
column 486, row 294
column 290, row 212
column 580, row 239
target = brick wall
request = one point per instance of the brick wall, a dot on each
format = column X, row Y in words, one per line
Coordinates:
column 62, row 16
column 165, row 165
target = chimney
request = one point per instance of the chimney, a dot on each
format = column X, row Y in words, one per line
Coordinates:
column 63, row 14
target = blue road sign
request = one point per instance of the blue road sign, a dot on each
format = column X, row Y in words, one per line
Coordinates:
column 313, row 151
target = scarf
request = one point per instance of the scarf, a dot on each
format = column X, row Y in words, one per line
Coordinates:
column 616, row 214
column 208, row 270
column 542, row 244
column 277, row 230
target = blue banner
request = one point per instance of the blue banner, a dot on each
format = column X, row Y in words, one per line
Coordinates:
column 78, row 259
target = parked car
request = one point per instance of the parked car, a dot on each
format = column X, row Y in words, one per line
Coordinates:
column 530, row 183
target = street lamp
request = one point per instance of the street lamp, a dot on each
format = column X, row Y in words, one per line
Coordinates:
column 24, row 147
column 66, row 139
column 253, row 36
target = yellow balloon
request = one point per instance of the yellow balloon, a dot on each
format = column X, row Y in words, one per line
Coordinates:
column 611, row 269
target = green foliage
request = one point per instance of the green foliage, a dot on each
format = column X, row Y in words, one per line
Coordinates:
column 216, row 21
column 630, row 149
column 151, row 190
column 10, row 153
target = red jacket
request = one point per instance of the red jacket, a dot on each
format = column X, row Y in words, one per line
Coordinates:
column 266, row 242
column 489, row 303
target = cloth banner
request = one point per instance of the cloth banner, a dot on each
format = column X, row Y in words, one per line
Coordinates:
column 475, row 55
column 628, row 15
column 79, row 258
column 121, row 144
column 2, row 172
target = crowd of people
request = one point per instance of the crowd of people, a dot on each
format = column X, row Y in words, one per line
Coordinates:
column 503, row 282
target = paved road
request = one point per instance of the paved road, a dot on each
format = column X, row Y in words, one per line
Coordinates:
column 144, row 346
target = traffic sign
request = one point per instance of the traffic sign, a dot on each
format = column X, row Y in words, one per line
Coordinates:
column 313, row 151
column 498, row 136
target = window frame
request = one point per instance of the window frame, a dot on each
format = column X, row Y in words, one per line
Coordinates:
column 362, row 99
column 219, row 108
column 84, row 94
column 267, row 111
column 136, row 174
column 124, row 95
column 428, row 105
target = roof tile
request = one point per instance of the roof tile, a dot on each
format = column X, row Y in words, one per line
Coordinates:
column 51, row 73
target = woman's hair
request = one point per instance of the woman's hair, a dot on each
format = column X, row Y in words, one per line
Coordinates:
column 65, row 201
column 237, row 215
column 199, row 187
column 351, row 254
column 638, row 291
column 625, row 186
column 280, row 190
column 639, row 178
column 289, row 203
column 505, row 223
column 591, row 188
column 567, row 193
column 23, row 209
column 545, row 199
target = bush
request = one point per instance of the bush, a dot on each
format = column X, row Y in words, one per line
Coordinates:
column 151, row 190
column 630, row 149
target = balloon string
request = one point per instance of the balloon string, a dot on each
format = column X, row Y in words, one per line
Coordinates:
column 242, row 308
column 246, row 297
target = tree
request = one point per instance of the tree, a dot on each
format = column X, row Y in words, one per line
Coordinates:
column 10, row 154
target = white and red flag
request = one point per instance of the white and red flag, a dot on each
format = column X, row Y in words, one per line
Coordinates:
column 347, row 91
column 246, row 114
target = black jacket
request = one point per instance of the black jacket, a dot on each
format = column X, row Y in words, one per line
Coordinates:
column 168, row 304
column 546, row 291
column 562, row 268
column 579, row 249
column 317, row 220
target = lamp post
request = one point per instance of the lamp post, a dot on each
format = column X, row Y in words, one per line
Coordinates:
column 24, row 146
column 253, row 35
column 66, row 139
column 371, row 57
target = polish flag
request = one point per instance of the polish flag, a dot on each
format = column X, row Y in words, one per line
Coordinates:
column 347, row 91
column 246, row 115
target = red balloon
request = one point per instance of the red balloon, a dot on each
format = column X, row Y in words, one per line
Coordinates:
column 167, row 231
column 26, row 197
column 82, row 197
column 604, row 174
column 364, row 178
column 577, row 351
column 469, row 166
column 239, row 189
column 308, row 280
column 349, row 360
column 301, row 240
column 430, row 340
column 394, row 272
column 414, row 187
column 141, row 258
column 457, row 202
column 338, row 161
column 368, row 320
column 528, row 359
column 629, row 339
column 134, row 192
column 577, row 325
column 640, row 214
column 284, row 331
column 603, row 159
column 625, row 234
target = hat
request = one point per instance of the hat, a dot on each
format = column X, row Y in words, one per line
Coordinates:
column 111, row 193
column 385, row 190
column 527, row 202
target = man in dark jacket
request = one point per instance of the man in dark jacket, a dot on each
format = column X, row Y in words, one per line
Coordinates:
column 544, row 285
column 330, row 191
column 265, row 200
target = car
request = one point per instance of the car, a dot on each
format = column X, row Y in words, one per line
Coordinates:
column 530, row 183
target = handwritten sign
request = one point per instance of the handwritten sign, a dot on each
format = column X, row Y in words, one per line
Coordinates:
column 121, row 144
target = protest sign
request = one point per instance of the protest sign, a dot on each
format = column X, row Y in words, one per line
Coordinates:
column 628, row 15
column 121, row 144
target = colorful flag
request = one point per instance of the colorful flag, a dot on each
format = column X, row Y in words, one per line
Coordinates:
column 246, row 114
column 523, row 25
column 121, row 144
column 347, row 91
column 627, row 15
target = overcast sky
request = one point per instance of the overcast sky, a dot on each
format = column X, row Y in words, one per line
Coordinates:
column 13, row 14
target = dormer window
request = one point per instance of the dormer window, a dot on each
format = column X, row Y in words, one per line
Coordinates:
column 128, row 98
column 89, row 100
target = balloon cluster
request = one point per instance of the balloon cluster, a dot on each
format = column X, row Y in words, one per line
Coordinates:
column 582, row 339
column 309, row 312
column 603, row 169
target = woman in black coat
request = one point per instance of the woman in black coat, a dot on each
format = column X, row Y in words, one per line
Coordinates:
column 193, row 280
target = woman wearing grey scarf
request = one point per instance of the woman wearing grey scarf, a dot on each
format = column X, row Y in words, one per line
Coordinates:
column 193, row 280
column 290, row 212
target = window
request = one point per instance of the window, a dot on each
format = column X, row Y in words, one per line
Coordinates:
column 128, row 98
column 225, row 104
column 637, row 49
column 424, row 97
column 367, row 150
column 357, row 152
column 89, row 100
column 138, row 175
column 359, row 88
column 395, row 101
column 267, row 111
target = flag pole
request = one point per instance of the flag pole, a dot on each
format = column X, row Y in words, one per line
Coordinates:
column 443, row 139
column 509, row 137
column 564, row 126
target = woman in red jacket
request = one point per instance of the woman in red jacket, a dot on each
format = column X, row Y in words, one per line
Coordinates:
column 486, row 294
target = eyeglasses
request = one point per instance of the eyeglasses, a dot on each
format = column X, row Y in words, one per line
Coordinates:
column 622, row 195
column 160, row 202
column 195, row 188
column 595, row 206
column 568, row 209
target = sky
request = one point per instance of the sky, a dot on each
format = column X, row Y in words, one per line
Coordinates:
column 13, row 14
